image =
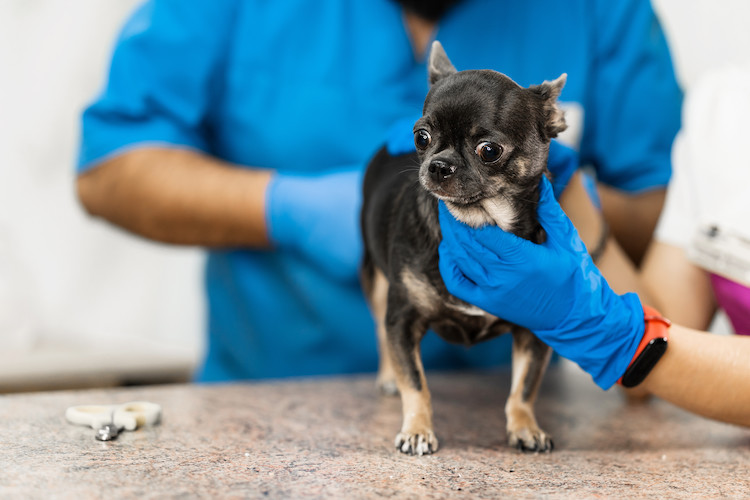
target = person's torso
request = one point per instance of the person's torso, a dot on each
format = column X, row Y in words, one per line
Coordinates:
column 314, row 85
column 311, row 86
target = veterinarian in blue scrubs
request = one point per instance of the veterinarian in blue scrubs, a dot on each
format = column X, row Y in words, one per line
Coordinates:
column 244, row 126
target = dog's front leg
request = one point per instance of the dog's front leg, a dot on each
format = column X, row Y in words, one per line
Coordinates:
column 530, row 358
column 404, row 332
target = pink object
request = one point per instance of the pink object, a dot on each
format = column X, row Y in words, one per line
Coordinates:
column 734, row 299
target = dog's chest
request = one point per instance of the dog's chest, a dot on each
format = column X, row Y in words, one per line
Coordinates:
column 452, row 319
column 467, row 326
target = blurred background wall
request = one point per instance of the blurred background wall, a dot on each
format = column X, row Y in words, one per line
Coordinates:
column 82, row 303
column 705, row 35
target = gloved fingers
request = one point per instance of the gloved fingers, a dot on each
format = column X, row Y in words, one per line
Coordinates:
column 559, row 228
column 456, row 280
column 459, row 285
column 548, row 207
column 504, row 246
column 489, row 244
column 563, row 161
column 451, row 272
column 465, row 260
column 450, row 228
column 480, row 261
column 453, row 230
column 460, row 239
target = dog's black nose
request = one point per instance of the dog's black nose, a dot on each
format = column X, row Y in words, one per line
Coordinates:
column 440, row 170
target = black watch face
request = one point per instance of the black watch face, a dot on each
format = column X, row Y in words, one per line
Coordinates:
column 645, row 362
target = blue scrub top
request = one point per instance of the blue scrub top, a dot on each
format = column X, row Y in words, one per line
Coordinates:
column 310, row 86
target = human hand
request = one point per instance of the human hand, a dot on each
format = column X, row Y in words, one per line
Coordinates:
column 318, row 218
column 554, row 289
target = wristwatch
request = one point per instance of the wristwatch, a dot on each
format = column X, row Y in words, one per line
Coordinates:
column 650, row 350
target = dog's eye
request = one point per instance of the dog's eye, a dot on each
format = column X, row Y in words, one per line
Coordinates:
column 422, row 139
column 489, row 152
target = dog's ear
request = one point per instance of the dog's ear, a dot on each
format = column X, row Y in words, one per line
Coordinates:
column 550, row 91
column 439, row 66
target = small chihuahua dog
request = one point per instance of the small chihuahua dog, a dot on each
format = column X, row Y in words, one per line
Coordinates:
column 482, row 146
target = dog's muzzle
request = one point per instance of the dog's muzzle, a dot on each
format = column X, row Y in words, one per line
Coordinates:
column 440, row 170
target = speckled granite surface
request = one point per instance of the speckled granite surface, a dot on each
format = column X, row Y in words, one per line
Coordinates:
column 333, row 439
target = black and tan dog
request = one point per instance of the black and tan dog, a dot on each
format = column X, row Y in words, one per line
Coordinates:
column 482, row 147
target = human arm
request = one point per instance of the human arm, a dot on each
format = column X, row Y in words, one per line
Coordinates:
column 149, row 157
column 705, row 374
column 179, row 196
column 186, row 197
column 682, row 290
column 632, row 118
column 555, row 290
column 632, row 218
column 144, row 161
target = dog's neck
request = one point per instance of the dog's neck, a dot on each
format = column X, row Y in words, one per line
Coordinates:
column 497, row 211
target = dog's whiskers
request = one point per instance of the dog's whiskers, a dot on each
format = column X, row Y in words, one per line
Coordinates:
column 413, row 169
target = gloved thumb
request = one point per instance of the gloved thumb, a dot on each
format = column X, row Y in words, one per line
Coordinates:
column 553, row 219
column 454, row 277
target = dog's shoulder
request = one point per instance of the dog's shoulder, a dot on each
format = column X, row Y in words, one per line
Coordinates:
column 390, row 169
column 398, row 216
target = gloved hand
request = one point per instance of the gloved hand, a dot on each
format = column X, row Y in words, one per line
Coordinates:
column 553, row 289
column 318, row 218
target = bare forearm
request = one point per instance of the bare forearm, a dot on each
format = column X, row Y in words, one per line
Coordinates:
column 683, row 290
column 706, row 374
column 179, row 196
column 632, row 218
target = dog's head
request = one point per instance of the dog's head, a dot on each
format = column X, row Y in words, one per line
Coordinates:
column 482, row 136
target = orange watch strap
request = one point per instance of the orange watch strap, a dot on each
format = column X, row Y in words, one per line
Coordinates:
column 656, row 327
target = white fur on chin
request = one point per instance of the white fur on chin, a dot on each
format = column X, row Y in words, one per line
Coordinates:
column 495, row 211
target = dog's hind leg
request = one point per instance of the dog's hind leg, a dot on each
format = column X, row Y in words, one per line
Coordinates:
column 386, row 380
column 530, row 358
column 404, row 330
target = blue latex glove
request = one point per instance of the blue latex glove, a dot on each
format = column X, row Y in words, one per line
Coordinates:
column 553, row 289
column 318, row 218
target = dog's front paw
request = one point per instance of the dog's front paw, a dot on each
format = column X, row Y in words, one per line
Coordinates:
column 421, row 443
column 530, row 439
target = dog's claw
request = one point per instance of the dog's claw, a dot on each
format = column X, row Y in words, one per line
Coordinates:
column 417, row 444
